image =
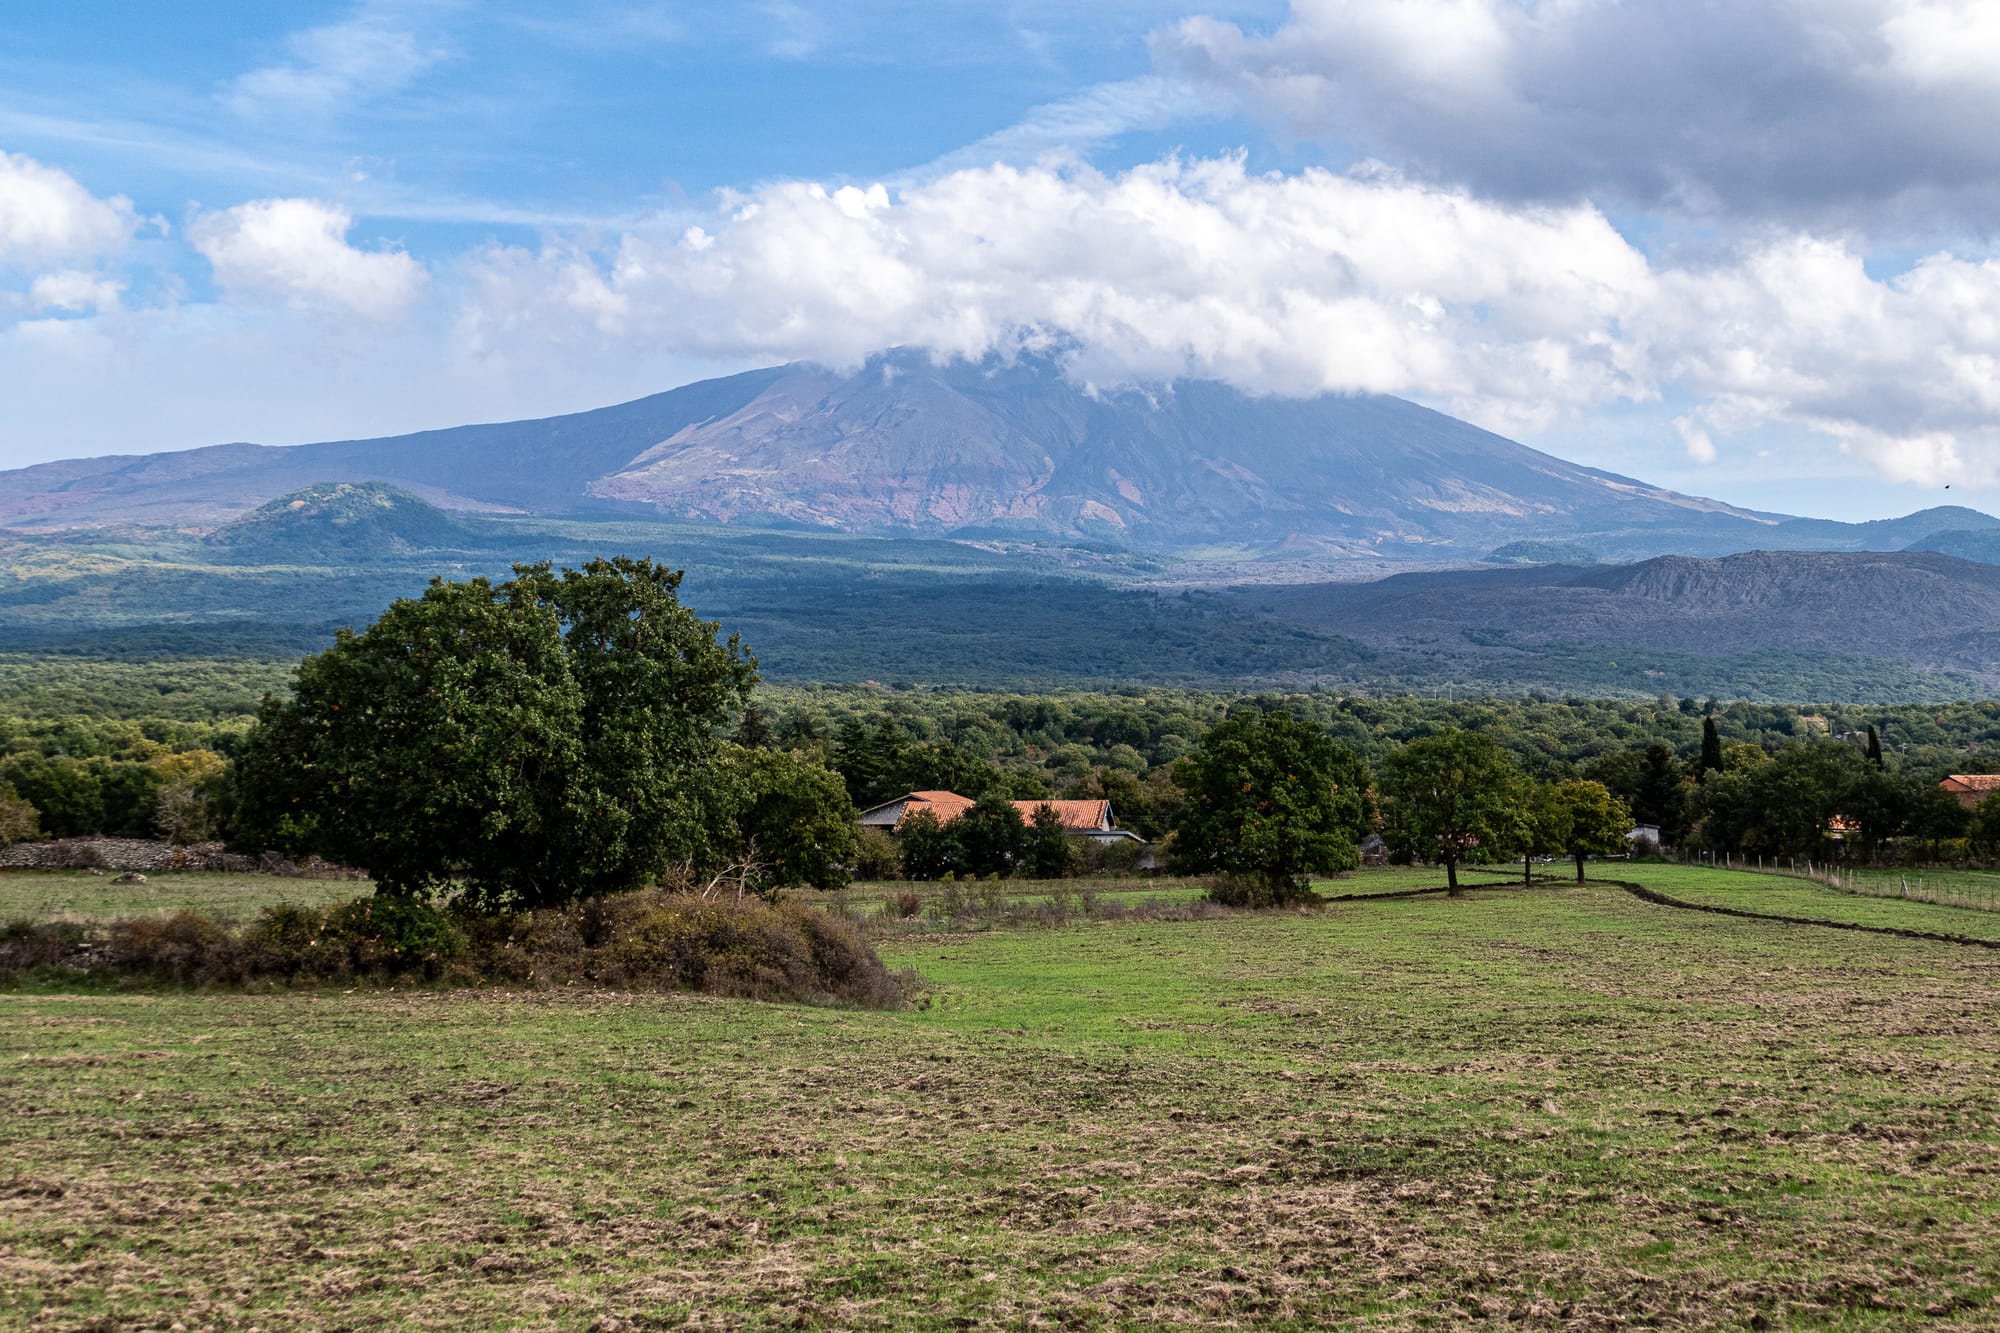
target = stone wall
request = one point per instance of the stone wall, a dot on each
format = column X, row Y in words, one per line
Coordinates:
column 121, row 854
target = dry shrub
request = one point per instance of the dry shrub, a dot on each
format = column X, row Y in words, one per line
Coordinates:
column 183, row 947
column 651, row 940
column 908, row 905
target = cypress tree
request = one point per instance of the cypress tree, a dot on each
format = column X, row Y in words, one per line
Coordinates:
column 1711, row 746
column 1874, row 746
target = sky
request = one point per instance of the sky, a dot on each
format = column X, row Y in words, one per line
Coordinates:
column 1742, row 248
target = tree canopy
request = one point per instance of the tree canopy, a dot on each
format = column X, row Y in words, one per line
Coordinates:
column 530, row 742
column 1270, row 798
column 1450, row 795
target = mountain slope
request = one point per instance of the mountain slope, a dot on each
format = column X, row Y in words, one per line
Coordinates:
column 1931, row 611
column 906, row 446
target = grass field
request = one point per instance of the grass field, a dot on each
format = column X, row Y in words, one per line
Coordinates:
column 76, row 895
column 1560, row 1109
column 1782, row 895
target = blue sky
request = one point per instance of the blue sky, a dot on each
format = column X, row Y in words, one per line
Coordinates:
column 1732, row 248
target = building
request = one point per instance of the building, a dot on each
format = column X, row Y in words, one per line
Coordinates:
column 1081, row 819
column 1971, row 788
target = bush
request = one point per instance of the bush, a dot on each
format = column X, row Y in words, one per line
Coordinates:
column 875, row 856
column 648, row 940
column 1259, row 891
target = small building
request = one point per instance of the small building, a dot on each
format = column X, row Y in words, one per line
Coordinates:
column 1080, row 819
column 1971, row 788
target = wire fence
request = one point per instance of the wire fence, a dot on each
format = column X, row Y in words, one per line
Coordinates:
column 1977, row 891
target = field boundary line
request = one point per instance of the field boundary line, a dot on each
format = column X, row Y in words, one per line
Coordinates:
column 1661, row 899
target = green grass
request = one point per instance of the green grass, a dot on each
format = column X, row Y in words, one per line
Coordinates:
column 76, row 895
column 1785, row 896
column 1556, row 1109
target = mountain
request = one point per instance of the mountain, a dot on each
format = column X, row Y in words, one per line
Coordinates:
column 1981, row 544
column 991, row 449
column 338, row 520
column 1927, row 611
column 985, row 449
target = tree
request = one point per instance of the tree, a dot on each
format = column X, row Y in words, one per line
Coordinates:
column 930, row 850
column 991, row 836
column 1270, row 798
column 1046, row 854
column 19, row 821
column 183, row 806
column 755, row 731
column 1874, row 751
column 1878, row 804
column 1983, row 825
column 1450, row 794
column 519, row 744
column 1579, row 818
column 794, row 825
column 1711, row 747
column 1659, row 798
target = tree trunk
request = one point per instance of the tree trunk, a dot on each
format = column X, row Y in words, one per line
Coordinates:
column 1527, row 871
column 1451, row 876
column 1579, row 867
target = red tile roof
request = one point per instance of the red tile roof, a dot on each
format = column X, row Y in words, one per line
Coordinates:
column 1076, row 816
column 1081, row 816
column 1972, row 782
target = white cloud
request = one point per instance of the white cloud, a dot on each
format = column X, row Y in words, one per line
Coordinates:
column 74, row 291
column 1873, row 113
column 1700, row 446
column 297, row 249
column 46, row 215
column 1513, row 315
column 1289, row 284
column 381, row 46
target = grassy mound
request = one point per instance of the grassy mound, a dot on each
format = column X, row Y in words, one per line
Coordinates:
column 650, row 940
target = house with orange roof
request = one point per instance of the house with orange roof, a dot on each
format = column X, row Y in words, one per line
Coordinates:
column 1080, row 819
column 1971, row 788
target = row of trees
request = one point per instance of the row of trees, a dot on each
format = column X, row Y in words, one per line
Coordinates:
column 1274, row 800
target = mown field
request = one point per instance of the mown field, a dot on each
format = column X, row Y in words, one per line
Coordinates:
column 1565, row 1108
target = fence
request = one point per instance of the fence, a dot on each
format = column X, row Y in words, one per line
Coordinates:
column 1975, row 890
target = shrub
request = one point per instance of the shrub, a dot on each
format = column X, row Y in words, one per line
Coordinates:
column 649, row 940
column 183, row 947
column 1258, row 891
column 875, row 856
column 908, row 905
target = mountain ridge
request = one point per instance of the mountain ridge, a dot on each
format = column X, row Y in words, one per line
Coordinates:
column 1008, row 450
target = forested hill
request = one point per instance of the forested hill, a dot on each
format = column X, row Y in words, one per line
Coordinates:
column 1932, row 611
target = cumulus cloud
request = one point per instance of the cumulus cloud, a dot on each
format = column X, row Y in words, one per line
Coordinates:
column 46, row 215
column 1288, row 284
column 1852, row 112
column 1297, row 284
column 297, row 249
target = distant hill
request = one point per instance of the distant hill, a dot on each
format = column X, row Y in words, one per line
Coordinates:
column 1980, row 544
column 1542, row 553
column 1882, row 534
column 339, row 520
column 1928, row 611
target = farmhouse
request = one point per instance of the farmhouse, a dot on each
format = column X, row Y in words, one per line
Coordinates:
column 1081, row 819
column 1971, row 788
